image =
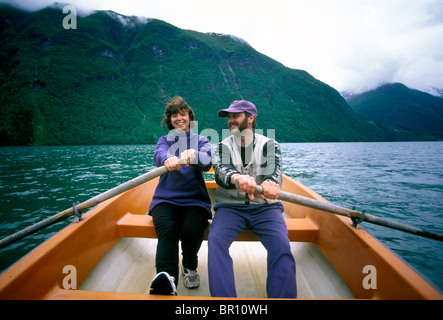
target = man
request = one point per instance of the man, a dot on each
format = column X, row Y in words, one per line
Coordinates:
column 241, row 162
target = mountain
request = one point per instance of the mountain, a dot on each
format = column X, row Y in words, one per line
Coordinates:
column 108, row 81
column 397, row 106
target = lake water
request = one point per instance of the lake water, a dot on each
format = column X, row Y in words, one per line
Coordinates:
column 401, row 181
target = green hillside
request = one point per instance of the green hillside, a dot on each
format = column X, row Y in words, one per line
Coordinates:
column 107, row 82
column 399, row 107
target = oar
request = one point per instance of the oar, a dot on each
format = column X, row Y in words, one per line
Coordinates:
column 353, row 214
column 85, row 205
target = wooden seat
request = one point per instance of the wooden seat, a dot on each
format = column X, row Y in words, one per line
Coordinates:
column 142, row 226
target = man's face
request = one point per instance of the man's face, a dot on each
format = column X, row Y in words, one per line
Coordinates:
column 237, row 122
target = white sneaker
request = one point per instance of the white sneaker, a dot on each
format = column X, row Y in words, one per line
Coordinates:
column 191, row 278
column 163, row 284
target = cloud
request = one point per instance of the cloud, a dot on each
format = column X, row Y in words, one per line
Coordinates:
column 348, row 44
column 357, row 45
column 402, row 46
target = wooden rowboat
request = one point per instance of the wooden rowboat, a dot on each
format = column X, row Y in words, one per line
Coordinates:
column 111, row 253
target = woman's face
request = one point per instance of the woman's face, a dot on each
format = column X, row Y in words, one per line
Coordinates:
column 180, row 120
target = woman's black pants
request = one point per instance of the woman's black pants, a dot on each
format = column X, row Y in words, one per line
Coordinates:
column 173, row 223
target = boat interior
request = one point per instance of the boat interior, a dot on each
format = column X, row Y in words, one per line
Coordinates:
column 129, row 266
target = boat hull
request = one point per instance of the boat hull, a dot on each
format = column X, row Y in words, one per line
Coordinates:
column 367, row 268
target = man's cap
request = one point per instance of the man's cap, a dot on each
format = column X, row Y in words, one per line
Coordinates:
column 238, row 106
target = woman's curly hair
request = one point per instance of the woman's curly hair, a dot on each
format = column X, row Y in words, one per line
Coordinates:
column 175, row 105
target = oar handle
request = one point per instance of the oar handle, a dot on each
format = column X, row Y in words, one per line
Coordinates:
column 353, row 214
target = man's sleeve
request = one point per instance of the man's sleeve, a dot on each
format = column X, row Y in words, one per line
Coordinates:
column 223, row 166
column 271, row 166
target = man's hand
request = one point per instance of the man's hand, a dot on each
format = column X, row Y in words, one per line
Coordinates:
column 246, row 183
column 271, row 190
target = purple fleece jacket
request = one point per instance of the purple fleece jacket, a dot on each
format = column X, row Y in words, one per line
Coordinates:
column 185, row 187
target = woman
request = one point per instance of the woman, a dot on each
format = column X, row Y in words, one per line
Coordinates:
column 181, row 205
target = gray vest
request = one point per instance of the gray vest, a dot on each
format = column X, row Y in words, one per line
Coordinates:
column 257, row 166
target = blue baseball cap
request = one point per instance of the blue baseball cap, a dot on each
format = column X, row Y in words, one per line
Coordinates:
column 238, row 106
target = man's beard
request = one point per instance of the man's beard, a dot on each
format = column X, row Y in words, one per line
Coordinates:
column 241, row 126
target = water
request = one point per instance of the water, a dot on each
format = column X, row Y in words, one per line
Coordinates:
column 398, row 181
column 38, row 182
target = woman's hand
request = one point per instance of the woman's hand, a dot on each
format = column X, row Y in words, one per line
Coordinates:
column 188, row 156
column 172, row 164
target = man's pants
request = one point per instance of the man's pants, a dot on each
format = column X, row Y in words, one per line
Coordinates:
column 267, row 222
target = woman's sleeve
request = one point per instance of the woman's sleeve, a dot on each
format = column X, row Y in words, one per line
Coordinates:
column 204, row 154
column 161, row 152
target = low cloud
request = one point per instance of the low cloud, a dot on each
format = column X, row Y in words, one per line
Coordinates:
column 353, row 45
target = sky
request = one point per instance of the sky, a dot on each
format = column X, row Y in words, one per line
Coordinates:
column 352, row 45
